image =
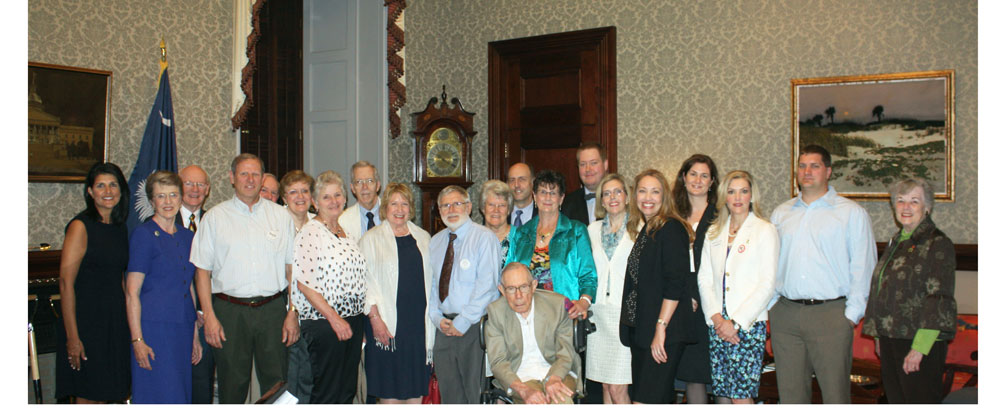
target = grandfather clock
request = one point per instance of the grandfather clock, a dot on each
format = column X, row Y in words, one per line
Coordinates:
column 442, row 155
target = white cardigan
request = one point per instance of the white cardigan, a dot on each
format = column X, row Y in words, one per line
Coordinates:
column 610, row 274
column 378, row 245
column 751, row 267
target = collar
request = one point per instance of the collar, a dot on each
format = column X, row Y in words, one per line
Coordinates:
column 187, row 212
column 244, row 208
column 364, row 212
column 925, row 229
column 531, row 313
column 827, row 199
column 526, row 208
column 462, row 230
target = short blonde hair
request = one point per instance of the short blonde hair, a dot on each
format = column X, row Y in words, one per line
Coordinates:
column 392, row 189
column 496, row 188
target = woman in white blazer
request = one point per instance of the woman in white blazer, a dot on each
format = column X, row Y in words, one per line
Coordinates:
column 400, row 334
column 736, row 282
column 611, row 240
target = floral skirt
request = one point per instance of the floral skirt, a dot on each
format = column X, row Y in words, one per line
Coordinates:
column 736, row 367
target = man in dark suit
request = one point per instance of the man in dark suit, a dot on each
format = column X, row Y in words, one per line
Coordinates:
column 592, row 161
column 520, row 177
column 195, row 192
column 529, row 339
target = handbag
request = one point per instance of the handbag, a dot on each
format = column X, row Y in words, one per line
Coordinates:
column 433, row 391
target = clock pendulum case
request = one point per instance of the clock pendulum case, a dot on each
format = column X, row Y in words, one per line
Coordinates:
column 441, row 150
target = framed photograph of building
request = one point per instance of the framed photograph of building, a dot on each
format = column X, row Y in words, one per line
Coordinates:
column 879, row 128
column 68, row 113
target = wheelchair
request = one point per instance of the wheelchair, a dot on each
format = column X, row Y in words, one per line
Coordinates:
column 490, row 394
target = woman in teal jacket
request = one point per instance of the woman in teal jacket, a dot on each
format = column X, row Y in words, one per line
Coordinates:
column 556, row 249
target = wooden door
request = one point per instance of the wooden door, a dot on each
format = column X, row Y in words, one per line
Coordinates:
column 548, row 94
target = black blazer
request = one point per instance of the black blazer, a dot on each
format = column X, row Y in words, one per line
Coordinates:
column 575, row 207
column 534, row 213
column 663, row 268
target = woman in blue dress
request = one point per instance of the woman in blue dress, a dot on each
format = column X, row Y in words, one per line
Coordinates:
column 160, row 299
column 400, row 334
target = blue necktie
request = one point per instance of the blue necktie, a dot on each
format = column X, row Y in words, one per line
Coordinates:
column 517, row 219
column 371, row 220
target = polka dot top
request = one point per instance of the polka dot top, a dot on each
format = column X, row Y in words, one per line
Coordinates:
column 331, row 266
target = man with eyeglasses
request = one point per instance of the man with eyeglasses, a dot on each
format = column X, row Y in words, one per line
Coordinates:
column 363, row 215
column 465, row 262
column 529, row 337
column 194, row 193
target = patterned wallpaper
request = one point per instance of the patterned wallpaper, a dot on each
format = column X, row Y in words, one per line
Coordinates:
column 709, row 76
column 123, row 36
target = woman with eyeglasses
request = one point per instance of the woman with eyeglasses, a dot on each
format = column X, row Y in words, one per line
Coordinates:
column 555, row 248
column 611, row 241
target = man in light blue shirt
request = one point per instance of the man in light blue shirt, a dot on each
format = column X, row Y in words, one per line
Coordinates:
column 465, row 261
column 824, row 273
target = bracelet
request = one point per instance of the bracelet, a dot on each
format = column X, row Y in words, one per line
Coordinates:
column 660, row 321
column 583, row 297
column 137, row 340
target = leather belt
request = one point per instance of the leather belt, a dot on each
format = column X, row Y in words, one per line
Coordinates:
column 252, row 302
column 810, row 301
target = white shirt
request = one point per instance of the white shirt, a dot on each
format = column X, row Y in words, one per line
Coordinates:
column 591, row 203
column 246, row 250
column 186, row 216
column 533, row 364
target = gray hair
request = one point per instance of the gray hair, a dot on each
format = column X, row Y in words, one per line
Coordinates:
column 906, row 185
column 327, row 178
column 496, row 188
column 453, row 188
column 362, row 164
column 242, row 157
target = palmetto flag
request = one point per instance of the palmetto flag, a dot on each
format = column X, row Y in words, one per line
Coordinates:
column 158, row 151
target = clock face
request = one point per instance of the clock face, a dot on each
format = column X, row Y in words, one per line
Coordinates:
column 444, row 154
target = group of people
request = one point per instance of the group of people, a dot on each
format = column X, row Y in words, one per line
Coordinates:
column 343, row 302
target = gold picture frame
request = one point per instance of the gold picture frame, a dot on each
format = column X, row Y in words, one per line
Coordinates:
column 69, row 109
column 879, row 128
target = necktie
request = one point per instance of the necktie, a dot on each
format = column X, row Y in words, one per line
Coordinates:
column 517, row 219
column 371, row 220
column 587, row 197
column 449, row 259
column 191, row 225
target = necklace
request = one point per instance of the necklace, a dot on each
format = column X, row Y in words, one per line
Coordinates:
column 334, row 229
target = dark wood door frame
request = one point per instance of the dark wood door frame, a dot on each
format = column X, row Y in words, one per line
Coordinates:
column 600, row 40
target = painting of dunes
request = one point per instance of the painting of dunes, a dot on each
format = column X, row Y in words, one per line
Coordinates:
column 878, row 128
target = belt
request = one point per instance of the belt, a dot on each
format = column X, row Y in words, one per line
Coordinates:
column 249, row 302
column 450, row 316
column 810, row 301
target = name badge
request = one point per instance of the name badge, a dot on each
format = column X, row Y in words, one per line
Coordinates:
column 465, row 264
column 741, row 248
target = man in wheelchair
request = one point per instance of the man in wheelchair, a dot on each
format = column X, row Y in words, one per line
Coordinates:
column 529, row 339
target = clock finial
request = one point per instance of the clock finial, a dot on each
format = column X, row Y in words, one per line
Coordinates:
column 444, row 96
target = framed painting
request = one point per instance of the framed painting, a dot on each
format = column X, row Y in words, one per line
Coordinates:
column 68, row 112
column 879, row 128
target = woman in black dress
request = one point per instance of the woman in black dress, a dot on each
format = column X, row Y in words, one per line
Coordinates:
column 656, row 306
column 400, row 334
column 92, row 356
column 695, row 193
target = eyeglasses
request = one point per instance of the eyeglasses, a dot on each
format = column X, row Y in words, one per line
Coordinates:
column 446, row 207
column 200, row 185
column 523, row 289
column 369, row 181
column 553, row 194
column 616, row 191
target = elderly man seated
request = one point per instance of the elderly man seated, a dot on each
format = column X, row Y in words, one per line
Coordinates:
column 529, row 339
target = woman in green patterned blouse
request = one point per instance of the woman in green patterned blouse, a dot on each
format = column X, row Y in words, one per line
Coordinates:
column 911, row 308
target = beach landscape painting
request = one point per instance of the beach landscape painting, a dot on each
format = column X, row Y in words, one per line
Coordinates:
column 878, row 128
